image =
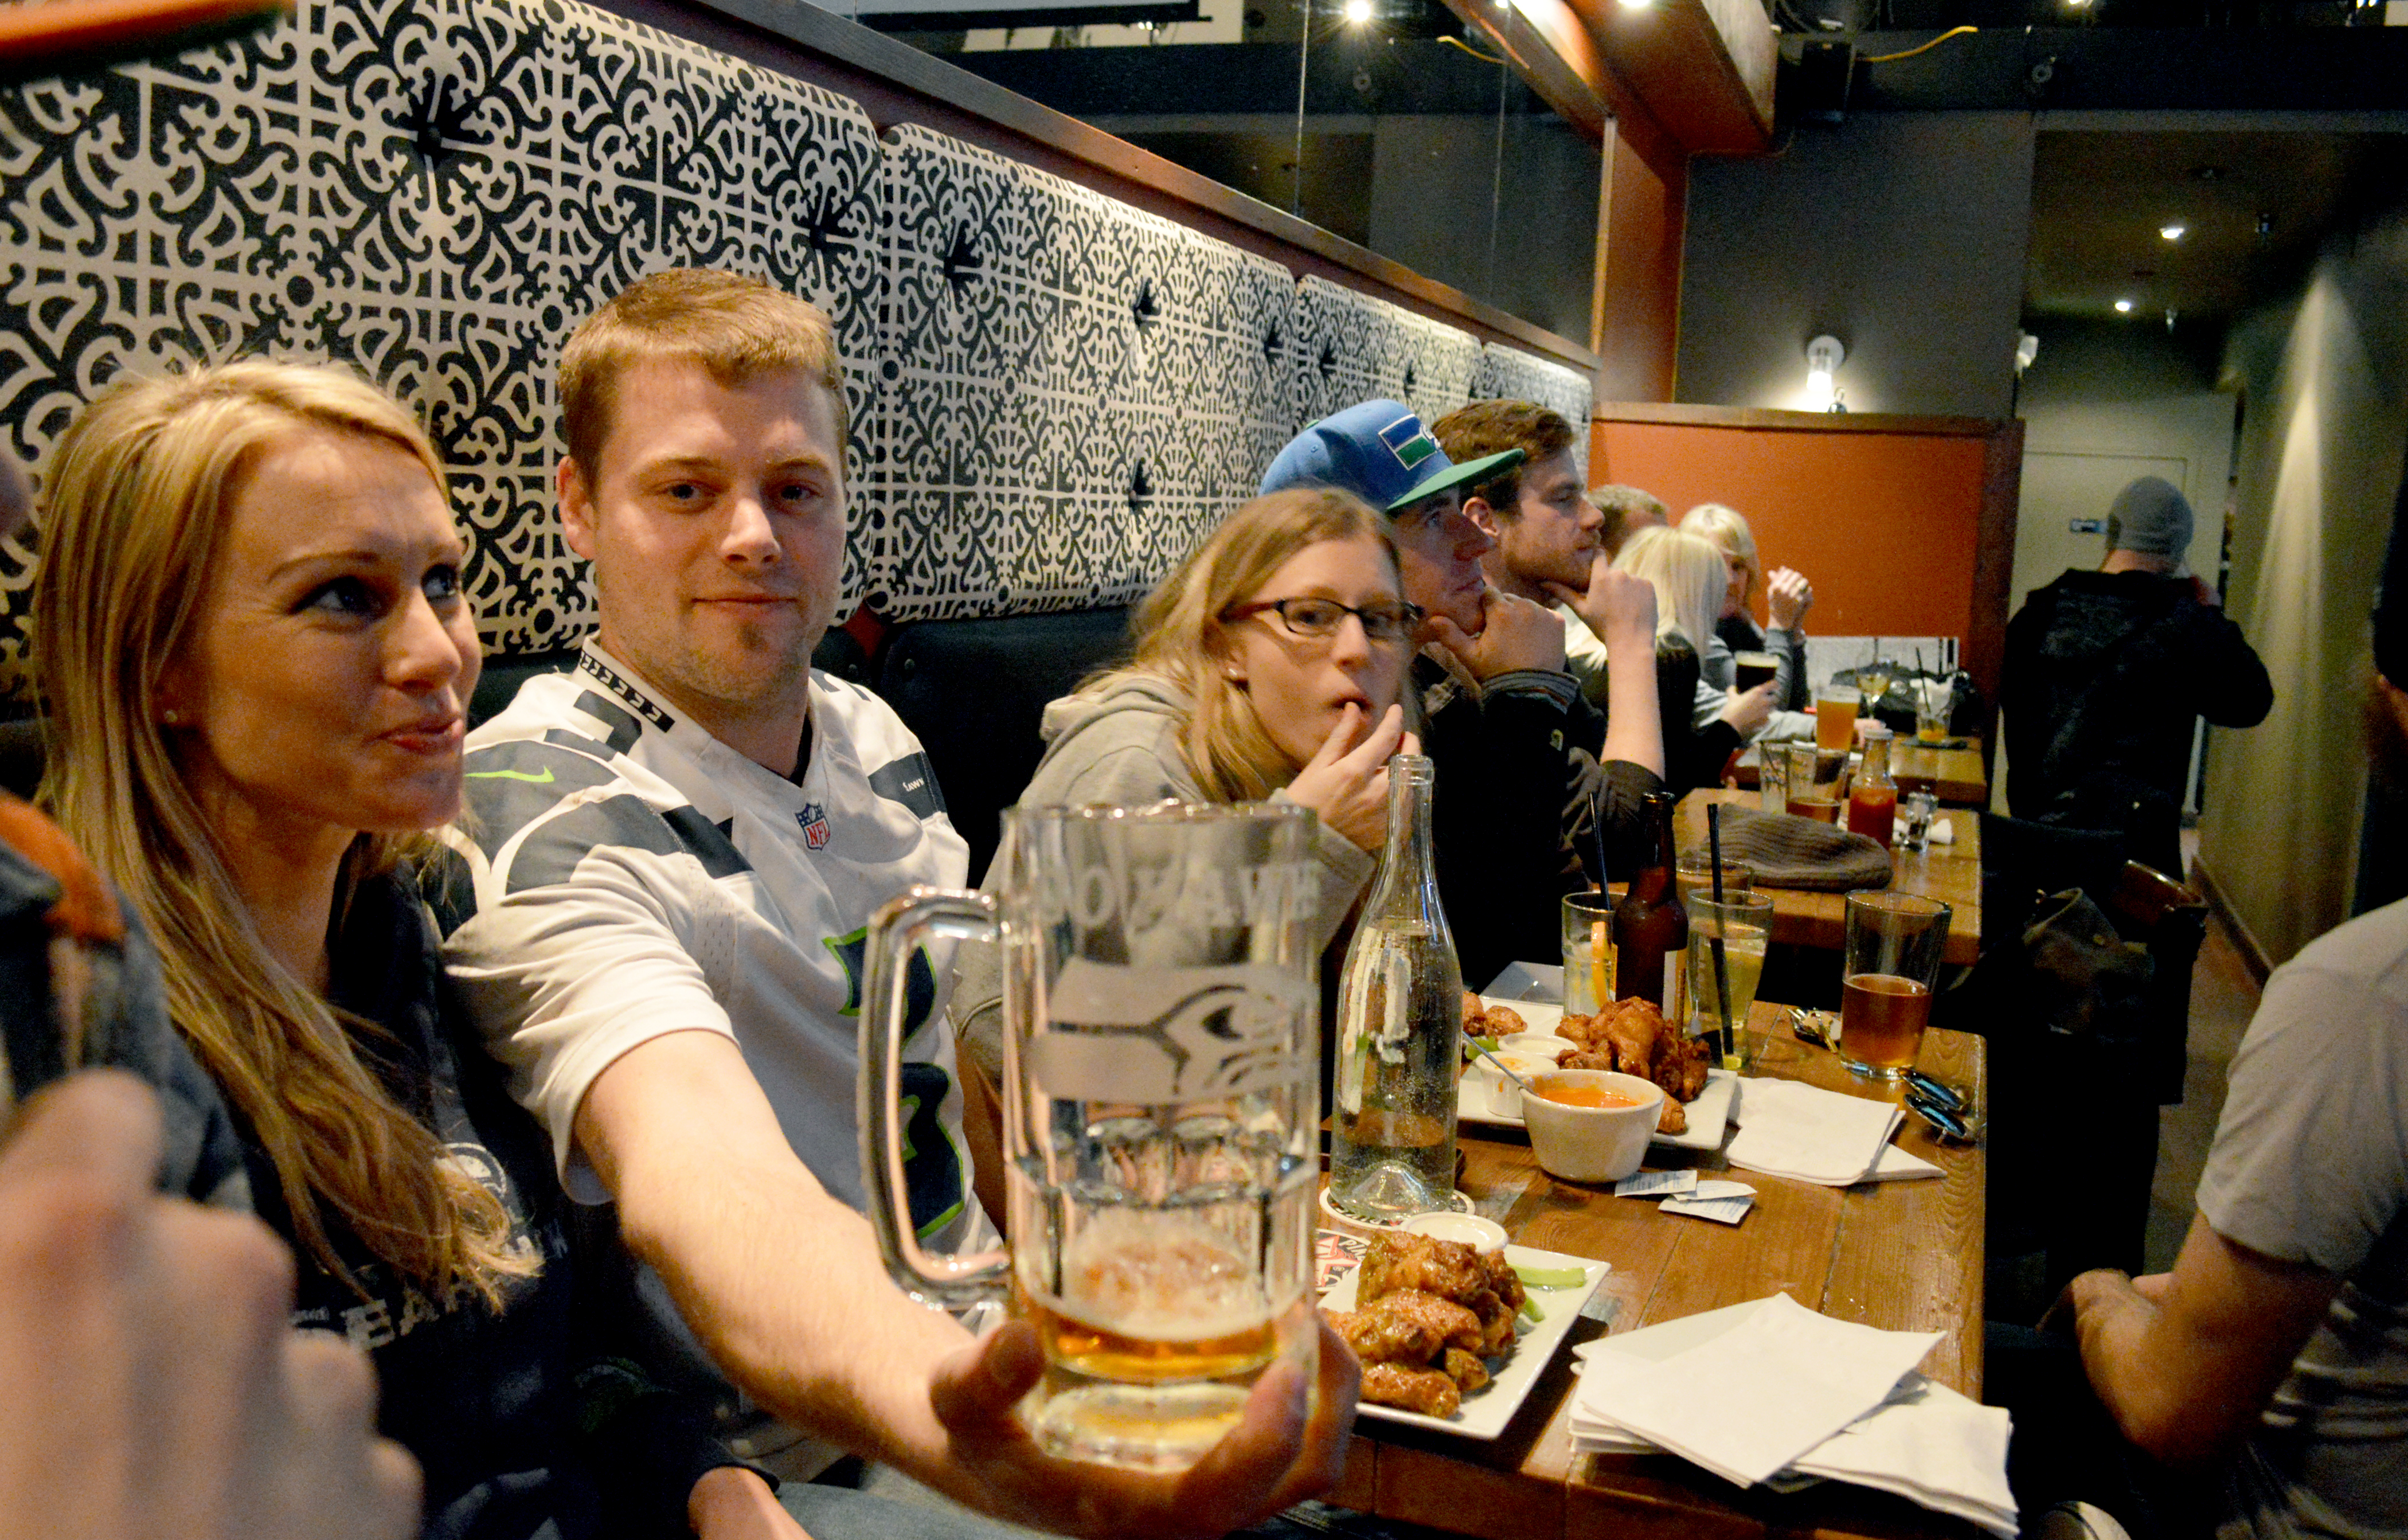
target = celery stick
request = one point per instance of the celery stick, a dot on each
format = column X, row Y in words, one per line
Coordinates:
column 1551, row 1277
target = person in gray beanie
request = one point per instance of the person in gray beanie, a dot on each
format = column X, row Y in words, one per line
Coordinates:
column 2108, row 671
column 2264, row 1376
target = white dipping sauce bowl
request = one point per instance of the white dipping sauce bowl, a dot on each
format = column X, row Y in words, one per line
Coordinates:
column 1481, row 1235
column 1546, row 1046
column 1592, row 1144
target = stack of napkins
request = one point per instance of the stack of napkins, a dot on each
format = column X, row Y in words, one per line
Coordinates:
column 1813, row 1135
column 1771, row 1391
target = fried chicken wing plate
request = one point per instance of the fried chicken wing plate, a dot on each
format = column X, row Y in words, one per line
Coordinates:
column 1428, row 1392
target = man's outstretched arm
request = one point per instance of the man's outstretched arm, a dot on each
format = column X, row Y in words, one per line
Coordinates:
column 2186, row 1360
column 785, row 1287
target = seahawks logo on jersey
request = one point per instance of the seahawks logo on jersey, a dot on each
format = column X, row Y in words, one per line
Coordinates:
column 932, row 1165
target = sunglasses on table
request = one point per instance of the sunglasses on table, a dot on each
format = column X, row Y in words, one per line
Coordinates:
column 1318, row 619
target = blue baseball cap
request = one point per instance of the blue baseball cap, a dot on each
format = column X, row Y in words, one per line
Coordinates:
column 1380, row 452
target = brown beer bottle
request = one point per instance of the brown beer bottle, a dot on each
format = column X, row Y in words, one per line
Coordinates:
column 1650, row 926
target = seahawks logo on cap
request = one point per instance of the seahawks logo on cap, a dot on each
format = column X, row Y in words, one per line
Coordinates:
column 1409, row 441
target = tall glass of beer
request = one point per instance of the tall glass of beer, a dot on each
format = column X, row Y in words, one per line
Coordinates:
column 1161, row 1100
column 1835, row 715
column 1894, row 943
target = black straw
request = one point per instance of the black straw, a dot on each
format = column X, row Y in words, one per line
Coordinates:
column 1597, row 831
column 1727, row 1040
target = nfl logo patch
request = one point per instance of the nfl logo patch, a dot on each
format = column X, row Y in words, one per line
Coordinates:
column 815, row 825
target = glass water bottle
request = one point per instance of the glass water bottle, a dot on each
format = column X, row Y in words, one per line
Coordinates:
column 1399, row 1027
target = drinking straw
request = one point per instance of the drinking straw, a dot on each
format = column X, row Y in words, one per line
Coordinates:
column 1725, row 1042
column 1596, row 832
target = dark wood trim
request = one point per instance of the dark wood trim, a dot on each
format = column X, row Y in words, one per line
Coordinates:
column 1772, row 420
column 2244, row 941
column 1984, row 656
column 902, row 68
column 1559, row 81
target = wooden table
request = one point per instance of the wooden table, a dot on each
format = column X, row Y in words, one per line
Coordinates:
column 1902, row 1256
column 1950, row 873
column 1953, row 776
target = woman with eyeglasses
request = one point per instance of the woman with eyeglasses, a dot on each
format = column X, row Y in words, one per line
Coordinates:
column 1267, row 666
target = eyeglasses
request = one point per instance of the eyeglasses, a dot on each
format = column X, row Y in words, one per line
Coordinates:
column 1318, row 619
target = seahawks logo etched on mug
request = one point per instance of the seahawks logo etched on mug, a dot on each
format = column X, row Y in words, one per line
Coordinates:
column 1159, row 1035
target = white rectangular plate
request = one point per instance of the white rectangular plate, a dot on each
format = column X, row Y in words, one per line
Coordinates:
column 1708, row 1114
column 1486, row 1411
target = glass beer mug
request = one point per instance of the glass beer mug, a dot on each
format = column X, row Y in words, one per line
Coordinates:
column 1161, row 1104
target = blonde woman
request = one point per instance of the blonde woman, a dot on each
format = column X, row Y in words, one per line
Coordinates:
column 1703, row 727
column 1267, row 666
column 1787, row 598
column 252, row 641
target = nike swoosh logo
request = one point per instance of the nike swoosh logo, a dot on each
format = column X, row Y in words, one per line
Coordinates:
column 543, row 780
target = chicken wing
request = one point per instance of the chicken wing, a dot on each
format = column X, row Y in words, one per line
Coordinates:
column 1466, row 1370
column 1396, row 1262
column 1427, row 1391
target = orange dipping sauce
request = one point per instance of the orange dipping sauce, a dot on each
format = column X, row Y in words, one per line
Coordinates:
column 1587, row 1095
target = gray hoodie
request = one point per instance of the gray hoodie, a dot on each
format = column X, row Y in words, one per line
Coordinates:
column 1119, row 747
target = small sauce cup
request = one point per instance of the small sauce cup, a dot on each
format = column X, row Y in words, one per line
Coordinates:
column 1600, row 1142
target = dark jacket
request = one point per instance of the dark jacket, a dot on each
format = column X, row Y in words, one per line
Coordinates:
column 1496, row 820
column 2105, row 673
column 523, row 1427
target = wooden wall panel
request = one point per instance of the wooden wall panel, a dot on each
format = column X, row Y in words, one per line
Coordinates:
column 1901, row 523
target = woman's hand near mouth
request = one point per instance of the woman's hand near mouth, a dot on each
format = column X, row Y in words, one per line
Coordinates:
column 1347, row 781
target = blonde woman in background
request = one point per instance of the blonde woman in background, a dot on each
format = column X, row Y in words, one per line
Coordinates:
column 1787, row 598
column 257, row 656
column 1708, row 725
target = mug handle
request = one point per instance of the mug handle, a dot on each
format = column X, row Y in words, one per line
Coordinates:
column 894, row 934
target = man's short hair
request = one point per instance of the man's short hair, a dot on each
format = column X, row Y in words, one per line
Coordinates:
column 735, row 326
column 1491, row 427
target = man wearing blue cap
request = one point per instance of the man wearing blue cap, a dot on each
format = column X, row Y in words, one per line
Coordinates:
column 2273, row 1359
column 1495, row 699
column 2107, row 673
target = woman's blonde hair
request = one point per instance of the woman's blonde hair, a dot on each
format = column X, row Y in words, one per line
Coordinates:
column 1689, row 577
column 1727, row 528
column 1181, row 638
column 140, row 491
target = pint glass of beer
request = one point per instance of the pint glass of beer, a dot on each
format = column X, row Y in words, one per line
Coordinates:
column 1894, row 942
column 1161, row 1100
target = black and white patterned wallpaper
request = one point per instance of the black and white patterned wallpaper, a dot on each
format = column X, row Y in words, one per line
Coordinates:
column 1053, row 393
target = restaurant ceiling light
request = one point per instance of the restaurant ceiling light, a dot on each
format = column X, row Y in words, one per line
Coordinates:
column 1357, row 11
column 2123, row 307
column 2174, row 231
column 1637, row 5
column 1824, row 356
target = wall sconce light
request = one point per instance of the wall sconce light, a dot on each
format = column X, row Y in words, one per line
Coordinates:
column 2123, row 307
column 1824, row 356
column 2026, row 349
column 2173, row 230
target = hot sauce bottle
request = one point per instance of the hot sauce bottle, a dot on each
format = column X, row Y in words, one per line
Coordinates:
column 1651, row 928
column 1872, row 801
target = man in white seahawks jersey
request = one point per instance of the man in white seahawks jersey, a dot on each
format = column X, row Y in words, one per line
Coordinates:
column 674, row 848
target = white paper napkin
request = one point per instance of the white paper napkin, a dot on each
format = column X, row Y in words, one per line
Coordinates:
column 1747, row 1402
column 1813, row 1135
column 1930, row 1445
column 1896, row 1165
